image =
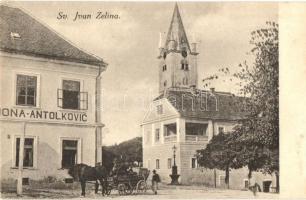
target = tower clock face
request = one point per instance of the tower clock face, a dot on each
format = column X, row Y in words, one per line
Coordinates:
column 184, row 53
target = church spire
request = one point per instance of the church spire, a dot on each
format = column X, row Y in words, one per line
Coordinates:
column 178, row 63
column 176, row 32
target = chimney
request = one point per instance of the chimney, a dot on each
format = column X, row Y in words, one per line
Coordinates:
column 212, row 89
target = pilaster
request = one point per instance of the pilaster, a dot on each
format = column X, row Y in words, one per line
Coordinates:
column 153, row 134
column 161, row 134
column 210, row 130
column 180, row 130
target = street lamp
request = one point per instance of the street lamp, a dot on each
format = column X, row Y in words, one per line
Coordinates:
column 174, row 150
column 174, row 176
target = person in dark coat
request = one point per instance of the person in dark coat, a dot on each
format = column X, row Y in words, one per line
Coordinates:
column 155, row 181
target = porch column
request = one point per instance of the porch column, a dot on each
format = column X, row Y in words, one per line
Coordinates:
column 210, row 130
column 180, row 130
column 153, row 134
column 161, row 134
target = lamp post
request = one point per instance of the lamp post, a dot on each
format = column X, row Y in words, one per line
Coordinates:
column 174, row 150
column 174, row 176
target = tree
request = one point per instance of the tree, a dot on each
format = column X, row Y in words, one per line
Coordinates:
column 257, row 135
column 249, row 152
column 260, row 131
column 129, row 151
column 219, row 154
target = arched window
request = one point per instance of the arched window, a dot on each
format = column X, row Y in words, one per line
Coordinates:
column 184, row 64
column 164, row 67
column 165, row 83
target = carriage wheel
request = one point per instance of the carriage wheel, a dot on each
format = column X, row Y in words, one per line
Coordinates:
column 141, row 187
column 128, row 189
column 121, row 189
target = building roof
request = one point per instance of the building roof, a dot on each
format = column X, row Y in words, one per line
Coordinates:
column 22, row 34
column 176, row 31
column 193, row 103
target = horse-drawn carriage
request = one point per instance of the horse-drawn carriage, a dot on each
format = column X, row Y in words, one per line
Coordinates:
column 127, row 182
column 120, row 177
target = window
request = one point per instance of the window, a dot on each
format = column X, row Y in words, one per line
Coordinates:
column 165, row 83
column 194, row 163
column 157, row 135
column 28, row 152
column 169, row 163
column 26, row 90
column 170, row 129
column 246, row 183
column 70, row 96
column 69, row 153
column 221, row 129
column 159, row 109
column 184, row 64
column 25, row 181
column 164, row 67
column 157, row 164
column 15, row 35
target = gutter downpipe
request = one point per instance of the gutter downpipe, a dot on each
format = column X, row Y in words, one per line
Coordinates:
column 98, row 124
column 215, row 173
column 20, row 162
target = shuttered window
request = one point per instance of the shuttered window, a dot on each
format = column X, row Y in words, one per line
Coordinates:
column 70, row 96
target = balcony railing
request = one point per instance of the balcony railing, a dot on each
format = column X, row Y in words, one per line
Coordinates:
column 170, row 138
column 196, row 138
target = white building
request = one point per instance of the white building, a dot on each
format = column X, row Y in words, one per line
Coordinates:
column 187, row 117
column 49, row 93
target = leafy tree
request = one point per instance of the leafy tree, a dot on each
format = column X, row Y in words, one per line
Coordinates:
column 107, row 158
column 249, row 152
column 257, row 136
column 260, row 131
column 128, row 151
column 219, row 154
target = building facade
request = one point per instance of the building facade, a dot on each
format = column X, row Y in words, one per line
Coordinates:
column 50, row 99
column 187, row 118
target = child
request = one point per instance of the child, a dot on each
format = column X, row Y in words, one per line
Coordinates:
column 155, row 181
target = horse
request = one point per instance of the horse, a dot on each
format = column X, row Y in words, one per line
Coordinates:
column 83, row 173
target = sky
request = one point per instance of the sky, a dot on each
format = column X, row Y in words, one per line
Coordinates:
column 129, row 45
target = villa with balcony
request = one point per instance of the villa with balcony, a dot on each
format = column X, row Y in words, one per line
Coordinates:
column 186, row 119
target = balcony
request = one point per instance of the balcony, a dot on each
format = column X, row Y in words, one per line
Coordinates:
column 171, row 138
column 196, row 132
column 170, row 132
column 196, row 138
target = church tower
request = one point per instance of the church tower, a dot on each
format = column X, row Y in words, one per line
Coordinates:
column 178, row 61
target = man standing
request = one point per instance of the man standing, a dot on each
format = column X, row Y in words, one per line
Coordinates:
column 155, row 181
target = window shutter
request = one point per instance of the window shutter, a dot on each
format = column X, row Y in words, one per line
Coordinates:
column 60, row 98
column 84, row 100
